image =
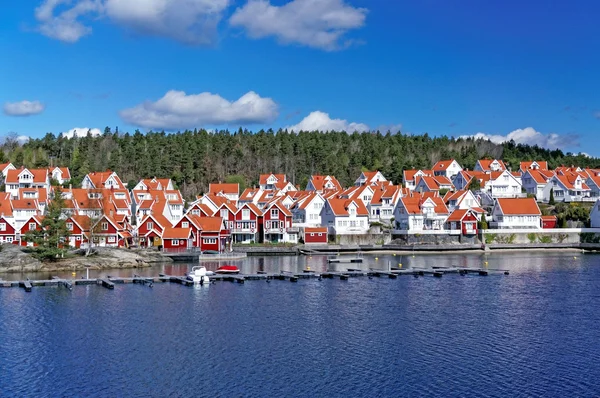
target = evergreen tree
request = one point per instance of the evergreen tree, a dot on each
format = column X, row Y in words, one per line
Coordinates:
column 51, row 238
column 551, row 200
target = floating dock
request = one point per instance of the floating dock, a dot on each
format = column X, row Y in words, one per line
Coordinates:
column 393, row 273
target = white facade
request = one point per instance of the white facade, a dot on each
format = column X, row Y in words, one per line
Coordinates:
column 447, row 168
column 425, row 219
column 504, row 186
column 372, row 177
column 564, row 191
column 534, row 186
column 514, row 221
column 595, row 215
column 350, row 223
column 307, row 213
column 465, row 201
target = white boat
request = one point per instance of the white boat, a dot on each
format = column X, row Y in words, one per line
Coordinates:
column 199, row 274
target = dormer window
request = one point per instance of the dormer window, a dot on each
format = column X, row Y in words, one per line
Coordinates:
column 274, row 213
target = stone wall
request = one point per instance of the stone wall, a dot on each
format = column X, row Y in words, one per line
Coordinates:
column 368, row 239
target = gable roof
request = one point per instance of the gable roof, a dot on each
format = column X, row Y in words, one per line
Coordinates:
column 226, row 188
column 442, row 165
column 527, row 165
column 264, row 177
column 340, row 206
column 518, row 206
column 459, row 214
column 486, row 164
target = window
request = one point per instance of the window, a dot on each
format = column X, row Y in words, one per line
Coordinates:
column 3, row 225
column 224, row 213
column 320, row 234
column 245, row 214
column 70, row 226
column 111, row 239
column 274, row 213
column 9, row 239
column 104, row 226
column 209, row 241
column 185, row 224
column 32, row 226
column 196, row 212
column 78, row 238
column 175, row 242
column 149, row 225
column 312, row 234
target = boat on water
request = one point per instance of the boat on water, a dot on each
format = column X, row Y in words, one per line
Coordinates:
column 199, row 274
column 227, row 269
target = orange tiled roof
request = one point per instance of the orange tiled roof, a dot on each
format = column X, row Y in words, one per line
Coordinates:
column 518, row 206
column 228, row 188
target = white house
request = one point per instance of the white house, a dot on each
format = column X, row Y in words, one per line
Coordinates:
column 489, row 165
column 432, row 184
column 511, row 213
column 369, row 177
column 229, row 190
column 26, row 178
column 447, row 168
column 322, row 183
column 463, row 200
column 102, row 179
column 418, row 212
column 533, row 165
column 595, row 215
column 535, row 181
column 383, row 203
column 593, row 182
column 60, row 174
column 462, row 180
column 306, row 212
column 567, row 188
column 502, row 184
column 275, row 182
column 409, row 177
column 4, row 167
column 345, row 217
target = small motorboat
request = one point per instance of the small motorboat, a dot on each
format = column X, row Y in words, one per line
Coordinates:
column 227, row 269
column 199, row 275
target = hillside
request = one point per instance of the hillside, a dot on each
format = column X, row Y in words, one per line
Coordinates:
column 193, row 159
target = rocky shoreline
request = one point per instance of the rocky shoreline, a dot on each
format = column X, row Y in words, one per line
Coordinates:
column 13, row 259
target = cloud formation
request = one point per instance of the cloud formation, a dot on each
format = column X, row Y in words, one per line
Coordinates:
column 313, row 23
column 177, row 110
column 81, row 132
column 23, row 108
column 189, row 21
column 320, row 121
column 530, row 136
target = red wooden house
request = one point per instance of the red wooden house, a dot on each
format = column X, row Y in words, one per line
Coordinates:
column 549, row 221
column 79, row 229
column 248, row 224
column 32, row 224
column 464, row 220
column 8, row 232
column 107, row 232
column 150, row 230
column 314, row 235
column 277, row 225
column 175, row 239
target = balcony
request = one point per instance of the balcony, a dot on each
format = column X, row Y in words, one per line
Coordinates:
column 293, row 230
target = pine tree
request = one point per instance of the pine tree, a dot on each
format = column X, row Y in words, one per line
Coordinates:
column 551, row 200
column 51, row 238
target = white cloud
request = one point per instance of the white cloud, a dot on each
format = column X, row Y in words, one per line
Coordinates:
column 189, row 21
column 392, row 128
column 530, row 136
column 81, row 132
column 320, row 121
column 314, row 23
column 23, row 108
column 177, row 110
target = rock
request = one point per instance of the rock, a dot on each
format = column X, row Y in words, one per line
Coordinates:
column 13, row 259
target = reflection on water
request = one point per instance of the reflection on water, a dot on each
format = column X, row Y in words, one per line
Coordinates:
column 533, row 333
column 515, row 262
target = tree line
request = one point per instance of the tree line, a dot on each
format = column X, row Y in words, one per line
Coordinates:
column 195, row 158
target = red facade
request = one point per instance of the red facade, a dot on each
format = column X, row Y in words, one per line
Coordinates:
column 549, row 222
column 7, row 231
column 315, row 235
column 469, row 224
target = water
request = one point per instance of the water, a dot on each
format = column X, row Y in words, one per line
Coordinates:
column 532, row 333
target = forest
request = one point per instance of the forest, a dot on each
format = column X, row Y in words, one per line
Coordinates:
column 195, row 158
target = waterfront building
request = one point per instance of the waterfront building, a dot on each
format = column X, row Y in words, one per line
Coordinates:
column 277, row 224
column 306, row 211
column 345, row 216
column 315, row 235
column 516, row 213
column 567, row 188
column 420, row 212
column 385, row 198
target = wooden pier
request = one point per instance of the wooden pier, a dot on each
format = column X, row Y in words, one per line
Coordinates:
column 392, row 273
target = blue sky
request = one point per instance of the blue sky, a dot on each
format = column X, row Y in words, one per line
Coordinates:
column 523, row 70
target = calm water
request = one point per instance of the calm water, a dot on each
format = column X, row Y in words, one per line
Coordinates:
column 535, row 332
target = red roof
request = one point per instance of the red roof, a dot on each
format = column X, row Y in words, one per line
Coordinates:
column 176, row 233
column 486, row 164
column 340, row 206
column 442, row 165
column 210, row 224
column 227, row 188
column 527, row 165
column 322, row 230
column 264, row 177
column 518, row 206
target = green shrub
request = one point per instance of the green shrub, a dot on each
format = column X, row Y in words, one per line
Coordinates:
column 532, row 237
column 490, row 238
column 545, row 239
